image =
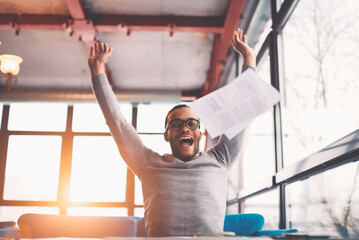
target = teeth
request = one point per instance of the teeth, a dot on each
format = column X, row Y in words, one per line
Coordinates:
column 185, row 138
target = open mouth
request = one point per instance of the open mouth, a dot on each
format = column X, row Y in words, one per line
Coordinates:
column 186, row 141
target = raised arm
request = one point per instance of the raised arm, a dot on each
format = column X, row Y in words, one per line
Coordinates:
column 226, row 150
column 128, row 142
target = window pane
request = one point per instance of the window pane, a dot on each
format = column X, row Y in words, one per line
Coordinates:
column 98, row 171
column 320, row 84
column 259, row 135
column 151, row 117
column 264, row 34
column 139, row 212
column 261, row 19
column 266, row 204
column 327, row 203
column 37, row 117
column 89, row 118
column 264, row 70
column 233, row 208
column 32, row 168
column 258, row 155
column 13, row 213
column 156, row 143
column 97, row 211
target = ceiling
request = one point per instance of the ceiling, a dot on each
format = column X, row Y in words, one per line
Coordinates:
column 163, row 49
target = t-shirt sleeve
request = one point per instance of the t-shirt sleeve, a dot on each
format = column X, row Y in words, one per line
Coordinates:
column 226, row 150
column 126, row 137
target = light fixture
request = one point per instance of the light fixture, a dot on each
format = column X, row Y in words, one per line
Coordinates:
column 10, row 65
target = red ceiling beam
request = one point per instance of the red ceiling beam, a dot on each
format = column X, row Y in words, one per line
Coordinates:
column 79, row 26
column 83, row 28
column 76, row 9
column 221, row 45
column 111, row 23
column 35, row 22
column 115, row 23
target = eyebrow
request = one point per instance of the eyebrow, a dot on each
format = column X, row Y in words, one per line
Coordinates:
column 183, row 120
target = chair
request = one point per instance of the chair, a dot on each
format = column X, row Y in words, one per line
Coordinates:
column 49, row 226
column 250, row 224
column 8, row 230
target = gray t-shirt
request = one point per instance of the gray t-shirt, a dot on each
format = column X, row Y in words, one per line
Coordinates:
column 180, row 198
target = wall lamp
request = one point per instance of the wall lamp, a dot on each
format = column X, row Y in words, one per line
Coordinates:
column 10, row 65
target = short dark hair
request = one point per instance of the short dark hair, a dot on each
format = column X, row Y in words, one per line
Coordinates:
column 174, row 108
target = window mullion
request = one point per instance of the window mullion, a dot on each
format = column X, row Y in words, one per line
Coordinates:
column 130, row 181
column 4, row 139
column 63, row 196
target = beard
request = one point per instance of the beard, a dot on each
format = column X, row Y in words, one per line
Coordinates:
column 184, row 156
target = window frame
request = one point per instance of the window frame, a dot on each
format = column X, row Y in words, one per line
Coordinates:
column 63, row 195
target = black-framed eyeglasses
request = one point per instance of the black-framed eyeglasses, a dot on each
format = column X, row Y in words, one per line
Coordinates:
column 177, row 124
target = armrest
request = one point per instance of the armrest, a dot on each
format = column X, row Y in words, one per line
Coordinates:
column 10, row 233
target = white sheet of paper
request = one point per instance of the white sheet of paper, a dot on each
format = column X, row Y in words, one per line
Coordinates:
column 231, row 108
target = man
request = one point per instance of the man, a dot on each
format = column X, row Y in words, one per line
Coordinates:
column 184, row 192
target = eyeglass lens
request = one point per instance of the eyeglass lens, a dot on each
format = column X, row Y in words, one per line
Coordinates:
column 178, row 124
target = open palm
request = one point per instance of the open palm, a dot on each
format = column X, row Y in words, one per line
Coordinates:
column 99, row 53
column 239, row 42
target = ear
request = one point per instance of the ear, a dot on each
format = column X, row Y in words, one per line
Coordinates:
column 165, row 134
column 200, row 135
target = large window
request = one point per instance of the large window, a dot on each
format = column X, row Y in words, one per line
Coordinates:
column 320, row 83
column 312, row 61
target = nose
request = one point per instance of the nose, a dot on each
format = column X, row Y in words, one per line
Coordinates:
column 185, row 128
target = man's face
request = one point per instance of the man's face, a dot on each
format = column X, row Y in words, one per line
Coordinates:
column 184, row 142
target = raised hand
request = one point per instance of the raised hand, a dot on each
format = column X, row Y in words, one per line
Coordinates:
column 99, row 55
column 239, row 42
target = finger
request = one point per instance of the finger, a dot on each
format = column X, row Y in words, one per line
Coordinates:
column 101, row 47
column 105, row 47
column 92, row 54
column 96, row 47
column 234, row 43
column 245, row 38
column 235, row 33
column 234, row 37
column 239, row 36
column 110, row 50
